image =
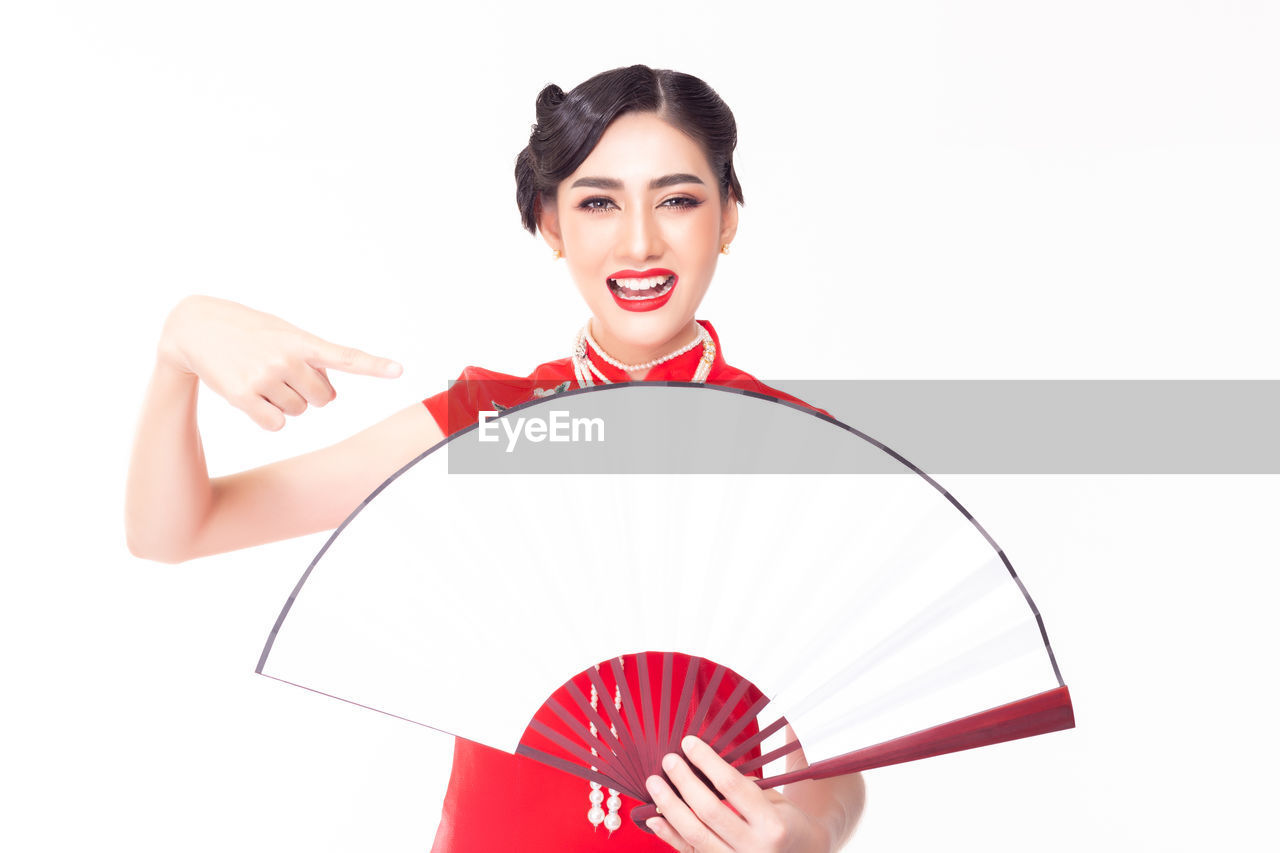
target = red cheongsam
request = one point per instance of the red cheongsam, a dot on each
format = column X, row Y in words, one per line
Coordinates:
column 500, row 802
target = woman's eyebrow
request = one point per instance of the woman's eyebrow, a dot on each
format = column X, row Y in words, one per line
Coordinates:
column 655, row 184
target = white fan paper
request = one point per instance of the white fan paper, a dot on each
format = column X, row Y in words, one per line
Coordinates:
column 844, row 584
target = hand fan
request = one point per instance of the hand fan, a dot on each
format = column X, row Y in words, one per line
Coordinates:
column 717, row 562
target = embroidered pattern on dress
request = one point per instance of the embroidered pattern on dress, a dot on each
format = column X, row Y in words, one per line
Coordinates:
column 538, row 393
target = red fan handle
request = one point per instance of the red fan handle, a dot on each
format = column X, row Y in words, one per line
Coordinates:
column 1036, row 715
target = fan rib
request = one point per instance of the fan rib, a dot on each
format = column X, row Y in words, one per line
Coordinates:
column 623, row 733
column 664, row 709
column 579, row 771
column 1035, row 715
column 576, row 749
column 762, row 760
column 708, row 695
column 607, row 758
column 755, row 740
column 715, row 727
column 646, row 706
column 602, row 728
column 682, row 710
column 635, row 730
column 753, row 713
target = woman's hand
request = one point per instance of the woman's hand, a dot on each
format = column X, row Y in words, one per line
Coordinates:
column 695, row 819
column 260, row 364
column 268, row 369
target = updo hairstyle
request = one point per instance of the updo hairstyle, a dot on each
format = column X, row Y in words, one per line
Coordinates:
column 570, row 125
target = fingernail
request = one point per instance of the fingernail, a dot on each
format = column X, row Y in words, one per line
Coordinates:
column 689, row 741
column 394, row 369
column 669, row 762
column 652, row 783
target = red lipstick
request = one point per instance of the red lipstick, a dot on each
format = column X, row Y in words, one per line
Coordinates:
column 642, row 290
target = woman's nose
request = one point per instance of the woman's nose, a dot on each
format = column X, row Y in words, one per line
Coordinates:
column 641, row 237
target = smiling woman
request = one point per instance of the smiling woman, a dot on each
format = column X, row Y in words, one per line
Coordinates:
column 633, row 167
column 629, row 177
column 612, row 231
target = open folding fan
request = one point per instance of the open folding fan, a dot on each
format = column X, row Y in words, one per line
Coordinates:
column 712, row 561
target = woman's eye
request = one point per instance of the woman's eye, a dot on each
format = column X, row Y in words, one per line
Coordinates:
column 603, row 205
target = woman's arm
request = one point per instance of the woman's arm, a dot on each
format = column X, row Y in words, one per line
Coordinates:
column 836, row 802
column 267, row 368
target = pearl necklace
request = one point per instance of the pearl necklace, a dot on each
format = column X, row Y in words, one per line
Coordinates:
column 595, row 814
column 587, row 372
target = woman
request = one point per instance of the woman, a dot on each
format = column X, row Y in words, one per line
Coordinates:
column 629, row 178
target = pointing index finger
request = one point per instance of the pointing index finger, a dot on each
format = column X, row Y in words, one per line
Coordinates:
column 352, row 360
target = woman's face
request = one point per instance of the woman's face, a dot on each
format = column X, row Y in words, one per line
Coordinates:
column 640, row 224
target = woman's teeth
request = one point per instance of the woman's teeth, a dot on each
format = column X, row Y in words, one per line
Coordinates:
column 641, row 288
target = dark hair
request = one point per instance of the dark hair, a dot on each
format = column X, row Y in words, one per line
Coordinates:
column 570, row 125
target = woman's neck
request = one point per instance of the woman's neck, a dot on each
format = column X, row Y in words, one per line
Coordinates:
column 638, row 354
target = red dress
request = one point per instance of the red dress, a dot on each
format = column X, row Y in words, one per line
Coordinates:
column 496, row 801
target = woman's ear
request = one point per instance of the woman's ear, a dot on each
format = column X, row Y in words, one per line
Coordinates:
column 549, row 225
column 729, row 220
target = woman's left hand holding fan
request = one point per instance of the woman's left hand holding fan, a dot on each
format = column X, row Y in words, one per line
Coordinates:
column 695, row 820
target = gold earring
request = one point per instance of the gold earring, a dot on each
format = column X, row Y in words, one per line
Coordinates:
column 556, row 254
column 724, row 248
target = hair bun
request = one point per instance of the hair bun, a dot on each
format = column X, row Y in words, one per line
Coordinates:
column 570, row 125
column 548, row 99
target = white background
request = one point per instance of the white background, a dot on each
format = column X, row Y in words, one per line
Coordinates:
column 976, row 190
